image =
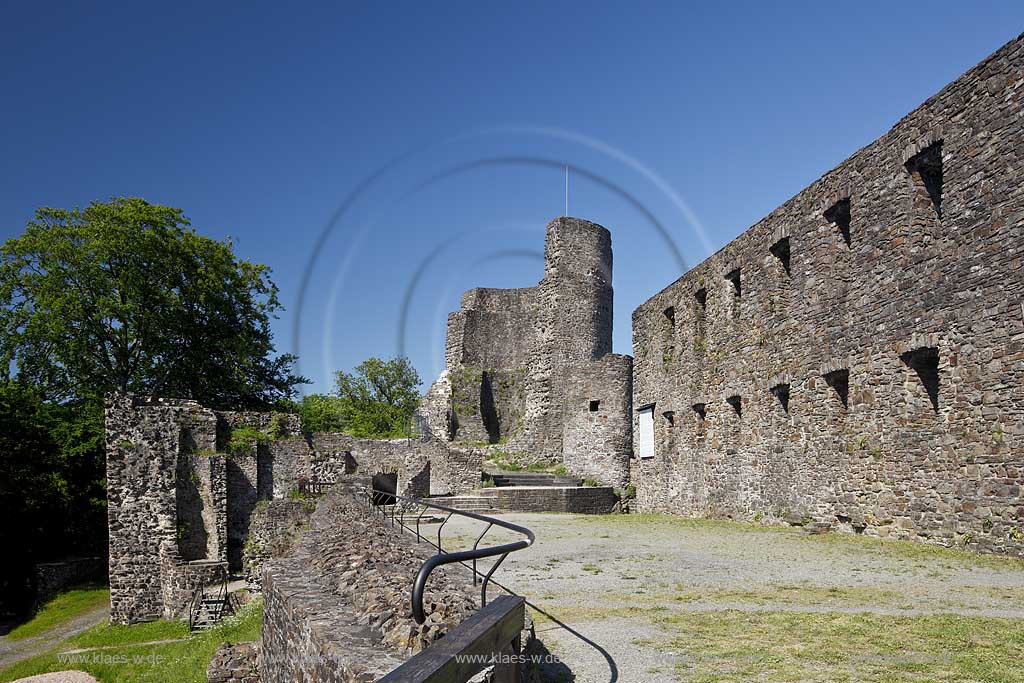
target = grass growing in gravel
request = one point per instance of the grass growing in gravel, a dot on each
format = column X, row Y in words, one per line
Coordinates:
column 61, row 609
column 781, row 647
column 124, row 659
column 852, row 543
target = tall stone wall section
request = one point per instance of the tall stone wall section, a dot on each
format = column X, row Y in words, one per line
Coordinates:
column 574, row 326
column 857, row 356
column 598, row 427
column 156, row 450
column 513, row 355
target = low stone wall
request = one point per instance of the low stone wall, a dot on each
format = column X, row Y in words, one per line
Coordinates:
column 234, row 663
column 337, row 607
column 589, row 500
column 457, row 473
column 273, row 531
column 53, row 577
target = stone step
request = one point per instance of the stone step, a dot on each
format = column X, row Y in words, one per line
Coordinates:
column 534, row 479
column 466, row 503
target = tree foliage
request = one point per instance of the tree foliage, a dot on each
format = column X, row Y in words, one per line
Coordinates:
column 52, row 471
column 321, row 413
column 123, row 295
column 379, row 398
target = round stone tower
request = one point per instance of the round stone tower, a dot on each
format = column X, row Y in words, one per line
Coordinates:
column 576, row 291
column 574, row 326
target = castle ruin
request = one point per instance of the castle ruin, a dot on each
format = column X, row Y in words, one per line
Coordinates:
column 855, row 360
column 532, row 369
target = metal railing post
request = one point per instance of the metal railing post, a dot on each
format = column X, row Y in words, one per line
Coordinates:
column 442, row 557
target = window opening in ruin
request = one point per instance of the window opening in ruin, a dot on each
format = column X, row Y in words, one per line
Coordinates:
column 925, row 168
column 925, row 362
column 670, row 418
column 670, row 317
column 701, row 295
column 839, row 215
column 701, row 411
column 839, row 380
column 781, row 392
column 734, row 277
column 595, row 406
column 780, row 250
column 737, row 404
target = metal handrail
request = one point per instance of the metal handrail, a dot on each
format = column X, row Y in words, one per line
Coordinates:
column 442, row 557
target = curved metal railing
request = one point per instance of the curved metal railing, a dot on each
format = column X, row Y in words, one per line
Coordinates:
column 399, row 507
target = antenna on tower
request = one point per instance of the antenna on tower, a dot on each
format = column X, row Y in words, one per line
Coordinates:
column 566, row 214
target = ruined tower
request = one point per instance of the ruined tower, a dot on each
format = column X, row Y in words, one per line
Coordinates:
column 525, row 365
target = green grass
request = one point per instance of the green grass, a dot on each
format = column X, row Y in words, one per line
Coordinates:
column 62, row 609
column 780, row 647
column 867, row 546
column 125, row 660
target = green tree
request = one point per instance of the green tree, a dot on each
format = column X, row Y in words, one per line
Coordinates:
column 52, row 469
column 379, row 398
column 123, row 295
column 321, row 413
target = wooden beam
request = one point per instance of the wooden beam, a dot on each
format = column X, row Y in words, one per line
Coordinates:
column 490, row 631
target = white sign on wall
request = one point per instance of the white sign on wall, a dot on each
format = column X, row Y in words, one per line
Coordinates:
column 647, row 432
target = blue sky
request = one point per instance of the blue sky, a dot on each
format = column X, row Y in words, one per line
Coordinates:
column 441, row 131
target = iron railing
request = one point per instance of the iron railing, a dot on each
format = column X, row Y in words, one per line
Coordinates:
column 199, row 596
column 397, row 512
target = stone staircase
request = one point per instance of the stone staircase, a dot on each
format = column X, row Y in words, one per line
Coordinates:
column 467, row 503
column 534, row 492
column 209, row 610
column 533, row 479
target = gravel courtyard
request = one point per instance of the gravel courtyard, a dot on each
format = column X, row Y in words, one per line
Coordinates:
column 656, row 598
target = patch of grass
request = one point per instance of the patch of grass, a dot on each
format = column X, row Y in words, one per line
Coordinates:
column 129, row 662
column 62, row 609
column 827, row 647
column 592, row 569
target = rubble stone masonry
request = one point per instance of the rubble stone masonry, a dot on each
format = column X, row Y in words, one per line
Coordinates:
column 857, row 356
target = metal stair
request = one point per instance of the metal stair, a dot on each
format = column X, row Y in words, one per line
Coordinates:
column 209, row 606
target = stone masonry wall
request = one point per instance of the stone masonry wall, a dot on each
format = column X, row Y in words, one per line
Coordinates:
column 598, row 430
column 183, row 483
column 857, row 356
column 337, row 608
column 274, row 529
column 511, row 355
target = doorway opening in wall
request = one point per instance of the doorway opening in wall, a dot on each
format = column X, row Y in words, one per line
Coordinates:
column 595, row 406
column 839, row 380
column 645, row 417
column 925, row 363
column 839, row 215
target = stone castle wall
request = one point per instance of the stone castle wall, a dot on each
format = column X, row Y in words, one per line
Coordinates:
column 857, row 356
column 181, row 490
column 336, row 608
column 598, row 429
column 512, row 355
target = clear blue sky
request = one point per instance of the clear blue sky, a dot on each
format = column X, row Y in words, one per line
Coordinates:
column 259, row 121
